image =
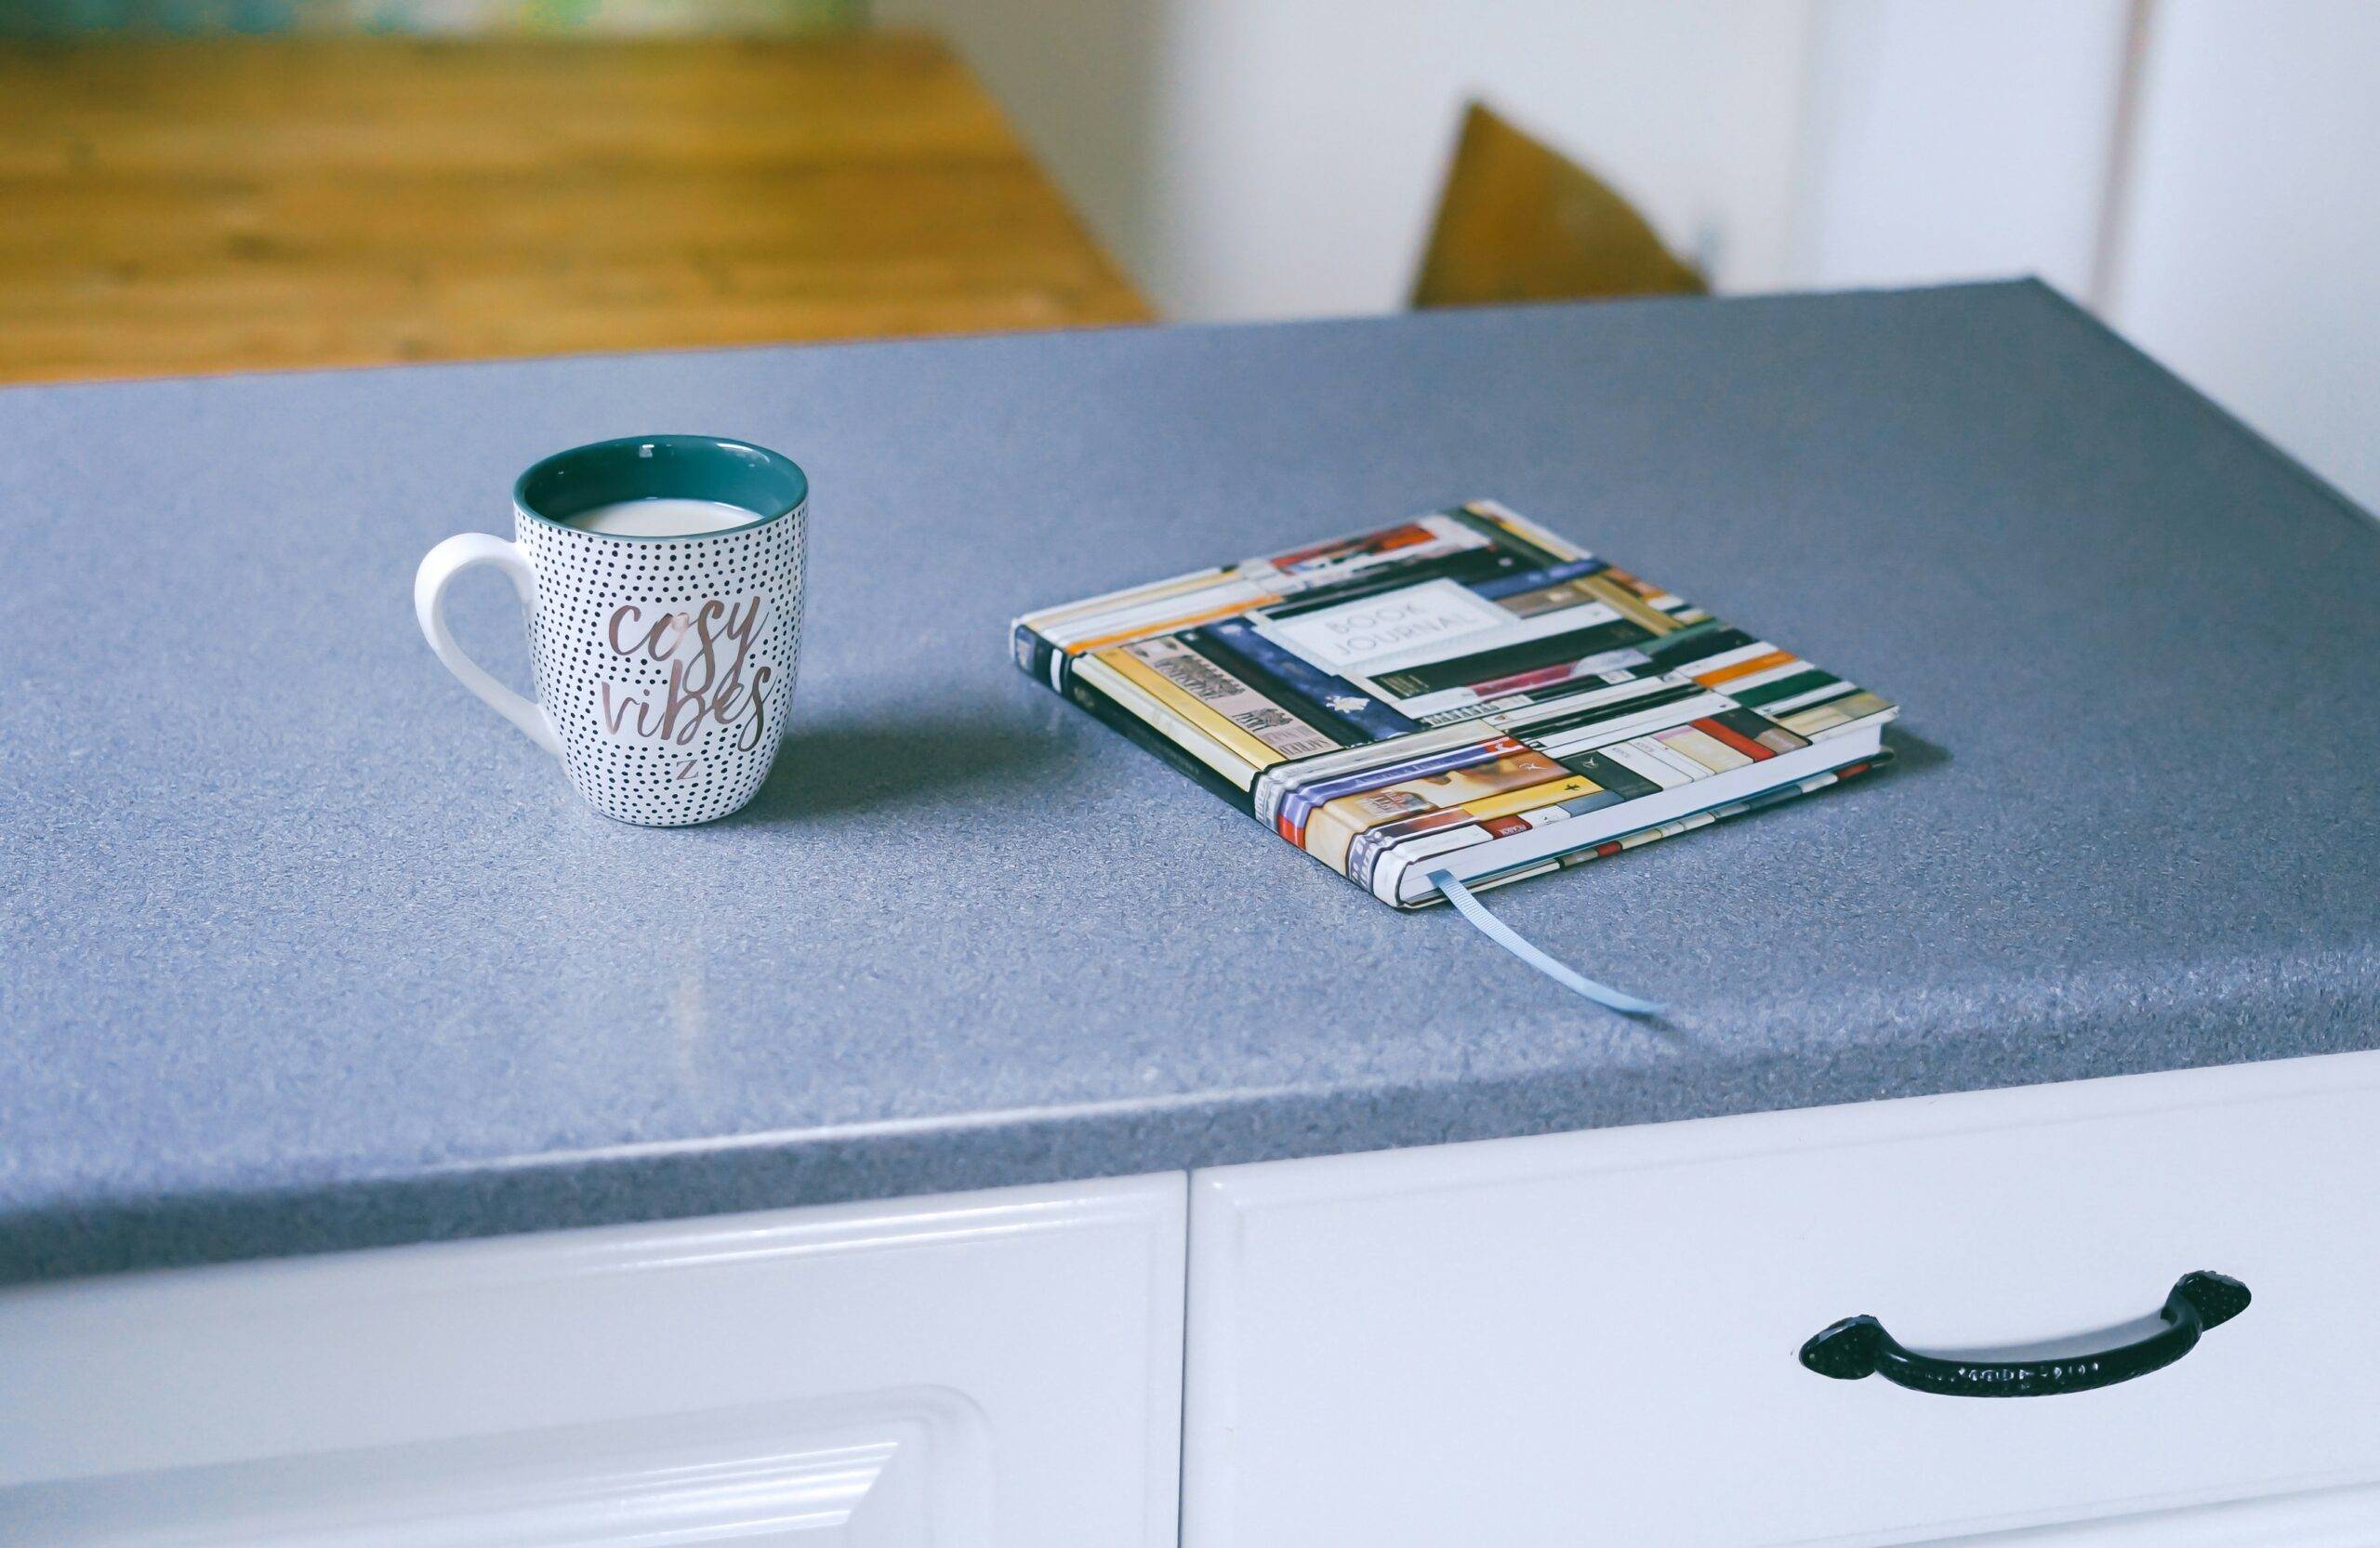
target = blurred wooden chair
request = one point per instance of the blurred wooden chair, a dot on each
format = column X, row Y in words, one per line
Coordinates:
column 1519, row 221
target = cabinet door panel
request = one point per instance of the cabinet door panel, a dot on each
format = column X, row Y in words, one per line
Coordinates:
column 979, row 1370
column 1592, row 1338
column 2325, row 1518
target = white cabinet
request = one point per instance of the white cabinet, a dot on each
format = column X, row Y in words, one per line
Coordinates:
column 996, row 1369
column 2324, row 1518
column 1592, row 1338
column 1580, row 1339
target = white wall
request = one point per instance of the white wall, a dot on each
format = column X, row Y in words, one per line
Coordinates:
column 1277, row 158
column 1309, row 138
column 2205, row 172
column 2249, row 258
column 1079, row 80
column 1950, row 139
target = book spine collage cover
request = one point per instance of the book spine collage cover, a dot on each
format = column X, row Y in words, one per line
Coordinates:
column 1459, row 679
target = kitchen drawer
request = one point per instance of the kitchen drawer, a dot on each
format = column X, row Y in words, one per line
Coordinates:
column 1592, row 1338
column 979, row 1369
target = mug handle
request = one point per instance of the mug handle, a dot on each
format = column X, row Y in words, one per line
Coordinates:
column 438, row 567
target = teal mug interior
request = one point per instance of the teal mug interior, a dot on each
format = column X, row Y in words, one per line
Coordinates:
column 663, row 467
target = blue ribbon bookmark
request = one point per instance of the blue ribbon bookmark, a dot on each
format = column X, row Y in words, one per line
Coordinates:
column 1506, row 936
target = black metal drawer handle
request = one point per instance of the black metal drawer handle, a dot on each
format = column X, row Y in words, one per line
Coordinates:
column 1858, row 1346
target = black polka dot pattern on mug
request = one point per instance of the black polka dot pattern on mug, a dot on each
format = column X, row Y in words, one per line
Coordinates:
column 666, row 663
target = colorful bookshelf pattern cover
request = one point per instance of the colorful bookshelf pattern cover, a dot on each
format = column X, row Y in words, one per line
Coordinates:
column 1390, row 701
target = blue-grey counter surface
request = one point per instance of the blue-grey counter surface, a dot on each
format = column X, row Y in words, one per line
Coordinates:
column 302, row 948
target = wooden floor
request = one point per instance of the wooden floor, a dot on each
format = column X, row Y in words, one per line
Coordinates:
column 244, row 204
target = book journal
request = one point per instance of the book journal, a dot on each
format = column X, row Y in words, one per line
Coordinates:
column 1464, row 692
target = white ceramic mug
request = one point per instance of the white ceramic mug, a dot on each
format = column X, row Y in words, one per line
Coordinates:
column 663, row 664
